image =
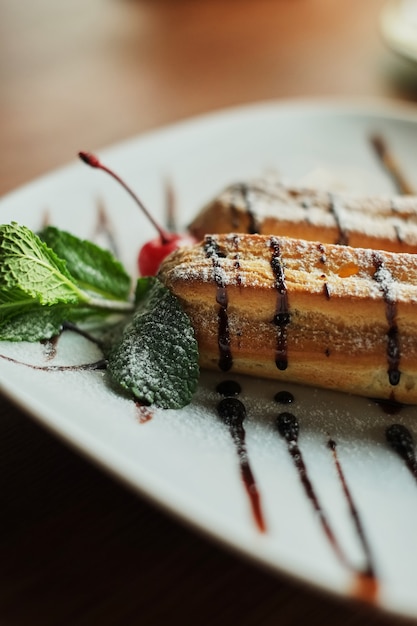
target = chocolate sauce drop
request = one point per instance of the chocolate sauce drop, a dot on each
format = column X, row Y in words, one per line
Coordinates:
column 236, row 242
column 145, row 413
column 233, row 413
column 228, row 388
column 282, row 315
column 322, row 251
column 284, row 397
column 384, row 279
column 225, row 356
column 401, row 440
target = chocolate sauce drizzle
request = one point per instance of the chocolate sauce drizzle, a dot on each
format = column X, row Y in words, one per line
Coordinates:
column 233, row 413
column 101, row 364
column 401, row 440
column 322, row 251
column 384, row 279
column 238, row 276
column 369, row 569
column 343, row 236
column 225, row 355
column 253, row 225
column 282, row 315
column 104, row 227
column 390, row 406
column 288, row 427
column 365, row 580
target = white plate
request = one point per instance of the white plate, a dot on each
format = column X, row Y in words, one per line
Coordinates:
column 186, row 460
column 399, row 27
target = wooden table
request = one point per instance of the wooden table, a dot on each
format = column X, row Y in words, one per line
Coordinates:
column 75, row 547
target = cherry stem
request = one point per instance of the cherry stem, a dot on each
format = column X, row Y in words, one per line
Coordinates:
column 93, row 161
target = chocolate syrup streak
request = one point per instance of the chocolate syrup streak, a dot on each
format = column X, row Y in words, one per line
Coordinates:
column 390, row 406
column 145, row 413
column 247, row 193
column 170, row 206
column 225, row 355
column 50, row 347
column 365, row 586
column 288, row 428
column 104, row 227
column 282, row 315
column 322, row 251
column 83, row 333
column 233, row 413
column 238, row 276
column 401, row 441
column 369, row 570
column 101, row 364
column 384, row 279
column 343, row 236
column 390, row 165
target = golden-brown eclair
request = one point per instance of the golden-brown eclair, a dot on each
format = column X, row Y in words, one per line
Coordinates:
column 318, row 314
column 267, row 206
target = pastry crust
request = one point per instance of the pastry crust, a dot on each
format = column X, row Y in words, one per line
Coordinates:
column 326, row 315
column 267, row 206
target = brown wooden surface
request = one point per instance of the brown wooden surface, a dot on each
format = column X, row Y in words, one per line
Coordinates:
column 75, row 547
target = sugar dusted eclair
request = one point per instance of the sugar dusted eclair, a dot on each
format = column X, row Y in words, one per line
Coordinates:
column 267, row 206
column 326, row 315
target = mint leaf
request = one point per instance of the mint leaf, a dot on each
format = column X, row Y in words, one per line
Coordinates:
column 156, row 359
column 33, row 276
column 40, row 322
column 28, row 266
column 94, row 268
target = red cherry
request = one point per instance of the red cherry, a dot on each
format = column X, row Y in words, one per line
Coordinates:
column 153, row 252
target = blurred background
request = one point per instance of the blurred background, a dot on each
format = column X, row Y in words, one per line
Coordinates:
column 76, row 74
column 75, row 547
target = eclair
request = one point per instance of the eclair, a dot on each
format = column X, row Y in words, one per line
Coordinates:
column 326, row 315
column 267, row 206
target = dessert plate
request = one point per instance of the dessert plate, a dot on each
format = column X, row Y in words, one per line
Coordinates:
column 335, row 507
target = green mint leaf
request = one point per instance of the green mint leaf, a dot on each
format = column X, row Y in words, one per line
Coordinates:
column 95, row 269
column 39, row 322
column 33, row 276
column 28, row 266
column 156, row 359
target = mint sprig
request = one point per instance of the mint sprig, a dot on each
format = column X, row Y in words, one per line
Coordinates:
column 56, row 278
column 35, row 281
column 156, row 358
